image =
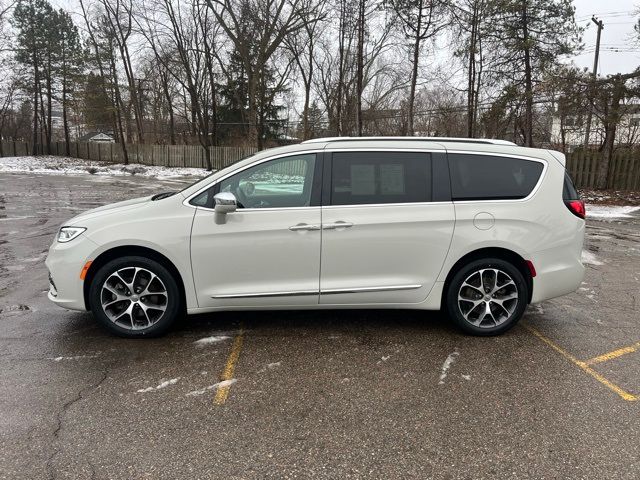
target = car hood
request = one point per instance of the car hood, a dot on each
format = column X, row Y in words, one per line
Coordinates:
column 107, row 210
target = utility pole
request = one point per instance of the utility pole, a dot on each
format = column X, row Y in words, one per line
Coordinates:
column 600, row 25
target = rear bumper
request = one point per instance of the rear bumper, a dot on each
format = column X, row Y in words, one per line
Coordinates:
column 559, row 270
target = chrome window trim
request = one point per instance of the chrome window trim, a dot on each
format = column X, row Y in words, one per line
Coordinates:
column 545, row 167
column 403, row 204
column 330, row 149
column 253, row 164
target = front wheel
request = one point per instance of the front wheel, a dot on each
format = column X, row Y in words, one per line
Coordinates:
column 135, row 297
column 487, row 297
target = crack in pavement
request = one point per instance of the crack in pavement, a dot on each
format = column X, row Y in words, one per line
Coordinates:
column 56, row 449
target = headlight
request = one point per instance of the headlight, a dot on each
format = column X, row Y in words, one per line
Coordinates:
column 66, row 234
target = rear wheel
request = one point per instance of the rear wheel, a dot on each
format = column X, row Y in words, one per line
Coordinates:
column 135, row 297
column 487, row 297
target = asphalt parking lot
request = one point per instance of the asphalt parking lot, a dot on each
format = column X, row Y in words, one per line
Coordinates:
column 332, row 394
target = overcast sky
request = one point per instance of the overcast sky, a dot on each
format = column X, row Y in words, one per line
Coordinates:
column 618, row 16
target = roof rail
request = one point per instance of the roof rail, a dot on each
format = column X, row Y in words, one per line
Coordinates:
column 490, row 141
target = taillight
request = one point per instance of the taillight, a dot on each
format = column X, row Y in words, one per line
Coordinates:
column 576, row 207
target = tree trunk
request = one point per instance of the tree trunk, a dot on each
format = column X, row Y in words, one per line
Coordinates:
column 471, row 75
column 49, row 110
column 341, row 48
column 360, row 66
column 172, row 126
column 65, row 120
column 118, row 112
column 612, row 120
column 528, row 116
column 36, row 85
column 414, row 72
column 252, row 113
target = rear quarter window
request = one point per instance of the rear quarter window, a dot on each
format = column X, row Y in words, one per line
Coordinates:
column 487, row 177
column 569, row 191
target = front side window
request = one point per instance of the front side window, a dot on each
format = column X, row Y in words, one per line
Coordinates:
column 360, row 178
column 487, row 177
column 280, row 183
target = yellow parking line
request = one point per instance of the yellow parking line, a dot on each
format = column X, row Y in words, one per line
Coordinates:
column 227, row 374
column 615, row 354
column 586, row 368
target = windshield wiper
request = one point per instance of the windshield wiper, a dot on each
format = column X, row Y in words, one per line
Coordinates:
column 160, row 196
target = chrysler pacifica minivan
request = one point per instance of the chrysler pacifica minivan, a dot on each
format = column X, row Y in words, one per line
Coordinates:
column 476, row 228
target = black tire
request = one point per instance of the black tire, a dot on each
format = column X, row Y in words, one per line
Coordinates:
column 516, row 307
column 172, row 303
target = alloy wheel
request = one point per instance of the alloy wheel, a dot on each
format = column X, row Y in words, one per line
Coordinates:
column 487, row 298
column 134, row 298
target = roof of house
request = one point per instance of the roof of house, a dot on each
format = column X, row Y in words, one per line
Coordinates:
column 87, row 137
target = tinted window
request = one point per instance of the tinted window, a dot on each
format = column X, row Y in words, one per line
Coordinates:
column 380, row 177
column 284, row 182
column 569, row 192
column 485, row 177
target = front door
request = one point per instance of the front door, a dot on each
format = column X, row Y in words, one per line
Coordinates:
column 384, row 238
column 267, row 252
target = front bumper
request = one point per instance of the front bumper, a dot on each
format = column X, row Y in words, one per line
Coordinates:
column 65, row 262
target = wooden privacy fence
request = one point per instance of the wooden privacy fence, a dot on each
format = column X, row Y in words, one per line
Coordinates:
column 624, row 169
column 160, row 155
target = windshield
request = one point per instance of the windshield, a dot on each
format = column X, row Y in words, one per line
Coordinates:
column 204, row 180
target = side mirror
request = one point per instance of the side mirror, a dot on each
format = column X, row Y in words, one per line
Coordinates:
column 225, row 202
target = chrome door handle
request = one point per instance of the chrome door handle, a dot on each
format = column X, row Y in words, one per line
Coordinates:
column 338, row 224
column 303, row 226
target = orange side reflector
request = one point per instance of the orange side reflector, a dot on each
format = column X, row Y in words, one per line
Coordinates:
column 85, row 269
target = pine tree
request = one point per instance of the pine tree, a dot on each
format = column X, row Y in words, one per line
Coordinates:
column 69, row 68
column 528, row 38
column 32, row 20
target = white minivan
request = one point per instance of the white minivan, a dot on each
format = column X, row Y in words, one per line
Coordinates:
column 476, row 228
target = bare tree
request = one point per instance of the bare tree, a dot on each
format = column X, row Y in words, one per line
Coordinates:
column 302, row 45
column 257, row 28
column 421, row 20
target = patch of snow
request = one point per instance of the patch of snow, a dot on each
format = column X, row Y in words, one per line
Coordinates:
column 162, row 385
column 46, row 165
column 215, row 386
column 466, row 377
column 537, row 309
column 211, row 340
column 610, row 211
column 385, row 358
column 274, row 365
column 447, row 365
column 590, row 259
column 74, row 357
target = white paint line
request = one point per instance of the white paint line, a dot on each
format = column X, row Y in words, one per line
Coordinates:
column 446, row 365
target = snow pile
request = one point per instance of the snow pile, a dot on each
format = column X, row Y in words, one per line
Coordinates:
column 76, row 166
column 610, row 211
column 215, row 386
column 589, row 258
column 210, row 340
column 162, row 385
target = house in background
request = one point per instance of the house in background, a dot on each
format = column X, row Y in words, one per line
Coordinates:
column 99, row 137
column 569, row 132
